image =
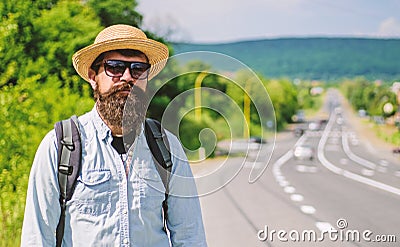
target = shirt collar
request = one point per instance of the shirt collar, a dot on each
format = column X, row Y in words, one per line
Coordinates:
column 102, row 129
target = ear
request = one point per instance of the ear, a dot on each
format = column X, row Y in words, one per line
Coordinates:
column 92, row 78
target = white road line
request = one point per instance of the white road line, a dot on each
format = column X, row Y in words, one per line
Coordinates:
column 367, row 172
column 352, row 156
column 382, row 169
column 383, row 163
column 353, row 176
column 284, row 183
column 324, row 226
column 276, row 168
column 296, row 198
column 308, row 209
column 289, row 189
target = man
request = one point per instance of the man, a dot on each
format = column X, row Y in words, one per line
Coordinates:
column 118, row 196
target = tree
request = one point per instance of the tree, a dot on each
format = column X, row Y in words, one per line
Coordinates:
column 113, row 12
column 15, row 33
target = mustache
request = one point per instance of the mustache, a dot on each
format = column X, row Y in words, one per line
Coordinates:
column 114, row 90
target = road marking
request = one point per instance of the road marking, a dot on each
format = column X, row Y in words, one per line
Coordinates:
column 382, row 169
column 383, row 163
column 279, row 177
column 308, row 209
column 309, row 169
column 367, row 172
column 289, row 189
column 296, row 198
column 352, row 156
column 344, row 161
column 350, row 175
column 324, row 226
column 283, row 183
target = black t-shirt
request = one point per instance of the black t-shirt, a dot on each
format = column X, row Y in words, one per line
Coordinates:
column 118, row 144
column 122, row 143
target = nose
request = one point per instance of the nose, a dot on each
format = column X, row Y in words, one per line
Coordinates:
column 126, row 76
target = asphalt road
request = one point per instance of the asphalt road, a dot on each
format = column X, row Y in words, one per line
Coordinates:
column 348, row 195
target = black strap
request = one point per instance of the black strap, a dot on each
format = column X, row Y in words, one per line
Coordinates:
column 69, row 160
column 159, row 147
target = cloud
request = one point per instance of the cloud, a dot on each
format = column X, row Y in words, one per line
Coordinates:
column 389, row 27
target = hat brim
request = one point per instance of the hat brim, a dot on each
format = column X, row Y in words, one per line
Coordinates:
column 156, row 52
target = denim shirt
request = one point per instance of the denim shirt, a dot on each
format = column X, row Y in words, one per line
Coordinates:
column 110, row 207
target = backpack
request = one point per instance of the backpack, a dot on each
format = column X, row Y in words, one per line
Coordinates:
column 70, row 158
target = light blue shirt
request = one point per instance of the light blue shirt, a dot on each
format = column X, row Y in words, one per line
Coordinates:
column 108, row 207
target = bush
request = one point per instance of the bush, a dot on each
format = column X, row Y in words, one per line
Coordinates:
column 29, row 110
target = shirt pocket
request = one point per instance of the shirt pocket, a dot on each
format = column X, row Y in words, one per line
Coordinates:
column 93, row 195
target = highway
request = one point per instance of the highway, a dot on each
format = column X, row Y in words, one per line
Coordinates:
column 348, row 195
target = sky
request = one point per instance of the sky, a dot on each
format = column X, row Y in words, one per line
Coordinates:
column 221, row 21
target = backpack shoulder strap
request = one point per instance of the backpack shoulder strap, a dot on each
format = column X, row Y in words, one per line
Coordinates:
column 69, row 163
column 159, row 147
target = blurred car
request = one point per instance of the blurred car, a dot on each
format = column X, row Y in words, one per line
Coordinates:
column 298, row 131
column 257, row 139
column 314, row 126
column 303, row 152
column 239, row 146
column 396, row 150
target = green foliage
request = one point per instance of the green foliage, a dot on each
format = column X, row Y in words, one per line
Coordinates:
column 29, row 110
column 284, row 99
column 17, row 32
column 192, row 136
column 116, row 12
column 369, row 96
column 57, row 34
column 38, row 87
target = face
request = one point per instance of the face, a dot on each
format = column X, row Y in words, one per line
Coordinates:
column 112, row 93
column 105, row 83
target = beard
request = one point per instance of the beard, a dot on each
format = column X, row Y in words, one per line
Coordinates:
column 123, row 111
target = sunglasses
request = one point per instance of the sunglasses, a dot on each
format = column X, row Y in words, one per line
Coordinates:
column 116, row 68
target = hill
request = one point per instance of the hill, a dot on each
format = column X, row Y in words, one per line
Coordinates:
column 312, row 58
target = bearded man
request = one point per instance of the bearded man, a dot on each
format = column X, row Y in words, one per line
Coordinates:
column 117, row 199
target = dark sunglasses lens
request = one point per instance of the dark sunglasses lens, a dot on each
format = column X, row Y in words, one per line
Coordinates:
column 114, row 68
column 140, row 70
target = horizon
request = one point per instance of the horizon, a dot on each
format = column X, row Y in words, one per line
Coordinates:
column 285, row 37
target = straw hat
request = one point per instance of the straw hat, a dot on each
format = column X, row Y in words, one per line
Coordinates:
column 121, row 37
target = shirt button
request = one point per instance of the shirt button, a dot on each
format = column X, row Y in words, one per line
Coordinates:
column 125, row 241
